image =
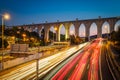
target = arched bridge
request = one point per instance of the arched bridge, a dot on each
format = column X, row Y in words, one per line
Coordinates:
column 88, row 22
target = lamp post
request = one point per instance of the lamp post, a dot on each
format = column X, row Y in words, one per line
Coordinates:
column 24, row 35
column 37, row 64
column 4, row 17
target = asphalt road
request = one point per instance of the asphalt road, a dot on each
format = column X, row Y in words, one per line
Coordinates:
column 106, row 74
column 83, row 66
column 93, row 62
column 28, row 71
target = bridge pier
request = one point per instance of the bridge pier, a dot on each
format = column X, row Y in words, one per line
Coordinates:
column 99, row 32
column 66, row 31
column 99, row 22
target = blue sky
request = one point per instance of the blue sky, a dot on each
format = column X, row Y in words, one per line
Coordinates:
column 39, row 11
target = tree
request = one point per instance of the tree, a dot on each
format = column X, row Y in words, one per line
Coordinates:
column 118, row 35
column 115, row 38
column 62, row 37
column 75, row 40
column 115, row 35
column 78, row 40
column 42, row 37
column 18, row 34
column 72, row 39
column 5, row 43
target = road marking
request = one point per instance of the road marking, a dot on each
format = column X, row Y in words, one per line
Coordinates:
column 110, row 68
column 88, row 66
column 100, row 63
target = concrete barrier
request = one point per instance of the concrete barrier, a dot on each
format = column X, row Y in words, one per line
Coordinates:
column 18, row 61
column 19, row 48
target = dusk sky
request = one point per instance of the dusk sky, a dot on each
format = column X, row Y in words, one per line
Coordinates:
column 39, row 11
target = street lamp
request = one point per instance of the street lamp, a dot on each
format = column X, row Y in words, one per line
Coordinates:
column 4, row 17
column 37, row 64
column 13, row 39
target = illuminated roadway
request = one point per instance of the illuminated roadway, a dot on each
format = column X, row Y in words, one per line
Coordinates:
column 29, row 71
column 75, row 68
column 109, row 69
column 92, row 62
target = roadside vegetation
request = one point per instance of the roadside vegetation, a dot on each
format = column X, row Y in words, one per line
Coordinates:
column 115, row 39
column 21, row 36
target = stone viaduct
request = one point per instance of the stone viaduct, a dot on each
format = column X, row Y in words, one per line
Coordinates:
column 99, row 22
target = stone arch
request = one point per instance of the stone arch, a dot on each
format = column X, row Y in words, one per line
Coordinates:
column 82, row 30
column 93, row 31
column 117, row 24
column 72, row 29
column 105, row 29
column 52, row 33
column 61, row 33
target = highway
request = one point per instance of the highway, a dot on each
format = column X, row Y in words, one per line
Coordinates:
column 28, row 71
column 67, row 67
column 108, row 67
column 104, row 65
column 91, row 63
column 74, row 69
column 88, row 61
column 54, row 71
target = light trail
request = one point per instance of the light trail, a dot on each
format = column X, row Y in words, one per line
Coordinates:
column 54, row 71
column 94, row 63
column 61, row 74
column 93, row 71
column 70, row 52
column 23, row 71
column 66, row 69
column 78, row 71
